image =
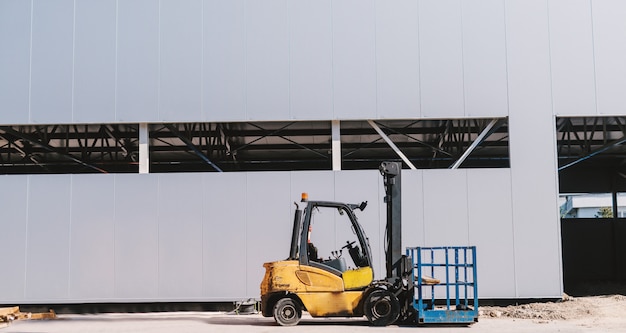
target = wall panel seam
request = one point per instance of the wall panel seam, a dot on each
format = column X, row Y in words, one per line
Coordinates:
column 288, row 24
column 69, row 230
column 463, row 60
column 419, row 68
column 30, row 61
column 422, row 174
column 114, row 222
column 469, row 207
column 72, row 103
column 376, row 101
column 26, row 237
column 158, row 240
column 245, row 232
column 202, row 221
column 332, row 62
column 515, row 291
column 245, row 61
column 116, row 60
column 158, row 96
column 506, row 63
column 593, row 57
column 550, row 58
column 203, row 115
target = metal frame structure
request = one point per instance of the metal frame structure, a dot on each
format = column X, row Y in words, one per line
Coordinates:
column 253, row 146
column 68, row 149
column 582, row 138
column 458, row 279
column 431, row 144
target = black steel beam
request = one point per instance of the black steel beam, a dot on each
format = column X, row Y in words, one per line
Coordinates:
column 193, row 147
column 33, row 141
column 594, row 153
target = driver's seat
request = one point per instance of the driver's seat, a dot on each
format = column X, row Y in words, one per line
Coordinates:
column 356, row 279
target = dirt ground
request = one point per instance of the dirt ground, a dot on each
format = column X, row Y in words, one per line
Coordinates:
column 572, row 314
column 597, row 313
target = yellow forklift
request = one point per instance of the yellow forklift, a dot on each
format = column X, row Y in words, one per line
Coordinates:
column 327, row 283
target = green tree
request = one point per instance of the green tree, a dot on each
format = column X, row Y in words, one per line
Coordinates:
column 605, row 213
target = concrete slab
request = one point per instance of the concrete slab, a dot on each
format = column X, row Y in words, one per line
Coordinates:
column 207, row 322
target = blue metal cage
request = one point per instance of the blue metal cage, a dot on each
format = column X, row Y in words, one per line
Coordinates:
column 445, row 284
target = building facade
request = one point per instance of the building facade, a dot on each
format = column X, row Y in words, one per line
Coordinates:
column 203, row 236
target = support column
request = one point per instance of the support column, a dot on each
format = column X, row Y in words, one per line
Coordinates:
column 144, row 153
column 532, row 146
column 336, row 145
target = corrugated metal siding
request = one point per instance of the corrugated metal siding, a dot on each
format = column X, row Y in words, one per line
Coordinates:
column 190, row 237
column 213, row 60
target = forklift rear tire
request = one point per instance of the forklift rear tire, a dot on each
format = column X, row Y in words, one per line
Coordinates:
column 287, row 312
column 381, row 307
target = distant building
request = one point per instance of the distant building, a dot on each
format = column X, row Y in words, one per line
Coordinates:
column 589, row 206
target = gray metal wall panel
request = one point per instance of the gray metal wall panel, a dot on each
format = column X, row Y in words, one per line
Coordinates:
column 491, row 230
column 224, row 61
column 267, row 60
column 366, row 185
column 320, row 186
column 180, row 236
column 174, row 234
column 14, row 203
column 533, row 170
column 268, row 223
column 412, row 208
column 136, row 237
column 354, row 59
column 92, row 237
column 180, row 60
column 397, row 59
column 137, row 60
column 52, row 61
column 609, row 33
column 445, row 208
column 484, row 59
column 367, row 72
column 571, row 52
column 441, row 58
column 94, row 61
column 15, row 27
column 224, row 238
column 310, row 59
column 48, row 238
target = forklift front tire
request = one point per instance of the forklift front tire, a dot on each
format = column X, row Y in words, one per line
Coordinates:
column 287, row 312
column 381, row 307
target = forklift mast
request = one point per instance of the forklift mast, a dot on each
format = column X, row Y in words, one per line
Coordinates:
column 391, row 172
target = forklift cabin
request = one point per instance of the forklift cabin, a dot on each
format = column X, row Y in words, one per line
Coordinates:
column 327, row 216
column 319, row 276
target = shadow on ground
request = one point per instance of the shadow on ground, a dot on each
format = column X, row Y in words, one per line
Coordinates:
column 262, row 321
